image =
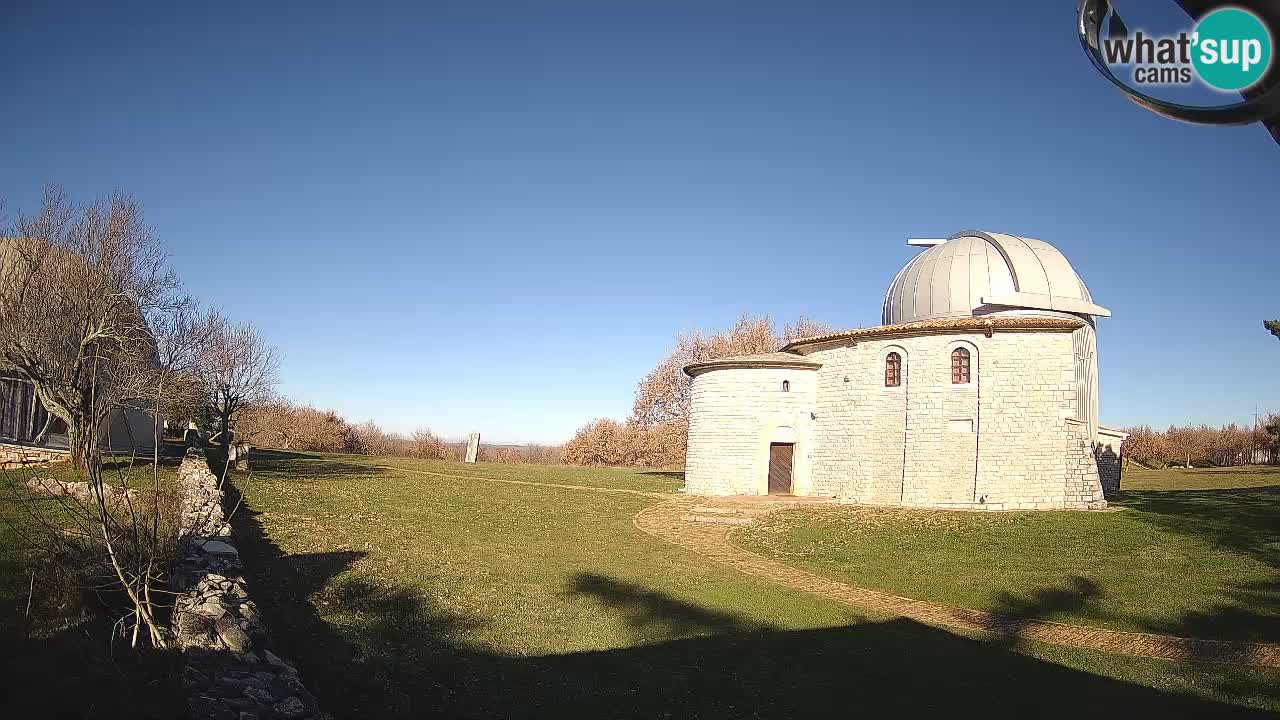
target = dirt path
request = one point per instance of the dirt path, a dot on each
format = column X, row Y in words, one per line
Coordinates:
column 671, row 521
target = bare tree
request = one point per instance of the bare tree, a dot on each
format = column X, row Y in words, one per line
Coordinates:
column 77, row 284
column 117, row 531
column 238, row 370
column 661, row 407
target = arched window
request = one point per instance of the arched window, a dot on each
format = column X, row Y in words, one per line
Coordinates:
column 960, row 366
column 786, row 386
column 892, row 370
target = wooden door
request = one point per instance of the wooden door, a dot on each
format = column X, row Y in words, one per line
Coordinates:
column 780, row 455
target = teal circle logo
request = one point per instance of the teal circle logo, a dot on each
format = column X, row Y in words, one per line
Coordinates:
column 1232, row 49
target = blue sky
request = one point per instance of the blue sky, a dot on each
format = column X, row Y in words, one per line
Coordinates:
column 495, row 216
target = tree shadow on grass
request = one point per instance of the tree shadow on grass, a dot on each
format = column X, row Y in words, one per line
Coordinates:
column 1244, row 521
column 374, row 651
column 647, row 609
column 1253, row 611
column 61, row 655
column 1011, row 612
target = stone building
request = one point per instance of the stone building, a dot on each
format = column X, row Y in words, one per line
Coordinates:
column 978, row 391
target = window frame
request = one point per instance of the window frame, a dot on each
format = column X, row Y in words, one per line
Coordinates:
column 892, row 369
column 961, row 366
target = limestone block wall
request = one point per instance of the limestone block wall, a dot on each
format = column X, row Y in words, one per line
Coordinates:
column 859, row 436
column 1000, row 442
column 735, row 414
column 1029, row 391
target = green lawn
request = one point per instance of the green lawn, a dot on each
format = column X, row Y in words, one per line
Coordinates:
column 1190, row 552
column 408, row 589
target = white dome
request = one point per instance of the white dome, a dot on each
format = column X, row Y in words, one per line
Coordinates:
column 980, row 273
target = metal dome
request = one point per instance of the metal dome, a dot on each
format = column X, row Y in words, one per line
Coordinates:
column 979, row 273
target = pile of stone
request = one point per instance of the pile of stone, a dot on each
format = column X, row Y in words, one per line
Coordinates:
column 53, row 487
column 230, row 673
column 200, row 492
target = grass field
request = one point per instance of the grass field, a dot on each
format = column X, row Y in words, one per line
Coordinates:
column 1194, row 553
column 407, row 588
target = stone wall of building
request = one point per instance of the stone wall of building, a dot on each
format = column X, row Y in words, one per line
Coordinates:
column 1003, row 441
column 735, row 413
column 999, row 442
column 230, row 672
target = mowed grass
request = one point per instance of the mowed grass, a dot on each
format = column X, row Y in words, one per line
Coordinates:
column 412, row 589
column 1188, row 552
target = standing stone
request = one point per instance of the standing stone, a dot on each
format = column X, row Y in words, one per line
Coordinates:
column 473, row 447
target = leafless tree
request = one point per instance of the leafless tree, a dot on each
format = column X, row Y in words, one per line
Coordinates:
column 117, row 530
column 77, row 285
column 238, row 370
column 427, row 445
column 288, row 426
column 659, row 416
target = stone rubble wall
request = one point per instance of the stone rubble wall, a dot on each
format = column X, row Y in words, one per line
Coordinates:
column 229, row 671
column 13, row 457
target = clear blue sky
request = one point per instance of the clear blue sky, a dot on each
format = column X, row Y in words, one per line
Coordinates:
column 495, row 216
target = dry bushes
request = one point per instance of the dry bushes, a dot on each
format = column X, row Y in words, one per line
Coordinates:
column 288, row 426
column 609, row 442
column 1205, row 446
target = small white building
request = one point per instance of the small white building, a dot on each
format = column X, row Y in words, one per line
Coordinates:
column 979, row 391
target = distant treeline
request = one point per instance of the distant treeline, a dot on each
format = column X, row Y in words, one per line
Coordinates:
column 1205, row 446
column 288, row 426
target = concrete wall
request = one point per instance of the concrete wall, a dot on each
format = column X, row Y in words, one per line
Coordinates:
column 735, row 414
column 129, row 430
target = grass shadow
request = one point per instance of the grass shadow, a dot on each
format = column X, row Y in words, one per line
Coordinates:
column 88, row 671
column 670, row 474
column 299, row 467
column 389, row 652
column 1242, row 520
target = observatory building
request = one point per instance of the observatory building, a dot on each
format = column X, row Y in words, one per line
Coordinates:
column 978, row 391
